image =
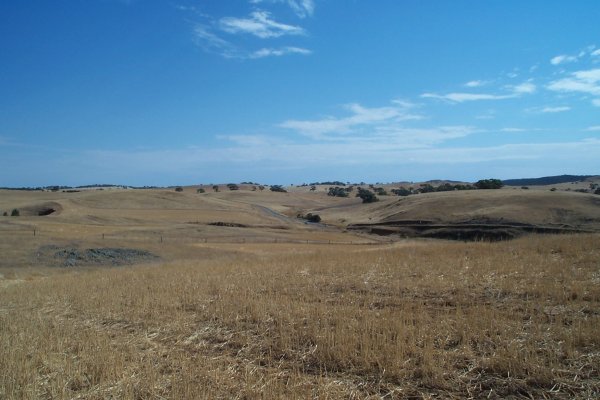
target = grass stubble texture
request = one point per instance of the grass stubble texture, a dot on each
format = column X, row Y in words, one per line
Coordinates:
column 517, row 319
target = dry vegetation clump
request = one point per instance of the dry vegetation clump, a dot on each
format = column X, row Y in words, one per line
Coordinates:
column 512, row 319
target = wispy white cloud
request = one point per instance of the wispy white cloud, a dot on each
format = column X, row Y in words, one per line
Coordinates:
column 463, row 97
column 595, row 128
column 270, row 52
column 524, row 88
column 477, row 83
column 586, row 81
column 250, row 151
column 302, row 8
column 211, row 42
column 562, row 59
column 260, row 24
column 555, row 109
column 513, row 130
column 595, row 53
column 360, row 117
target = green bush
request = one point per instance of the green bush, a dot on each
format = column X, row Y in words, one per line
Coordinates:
column 200, row 190
column 179, row 189
column 337, row 192
column 310, row 217
column 489, row 184
column 216, row 188
column 277, row 188
column 401, row 192
column 366, row 195
column 15, row 213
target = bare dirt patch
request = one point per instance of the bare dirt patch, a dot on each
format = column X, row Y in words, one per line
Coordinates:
column 74, row 257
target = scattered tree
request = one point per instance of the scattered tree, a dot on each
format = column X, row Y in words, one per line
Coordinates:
column 401, row 192
column 15, row 213
column 426, row 188
column 261, row 187
column 380, row 191
column 489, row 184
column 597, row 191
column 179, row 189
column 216, row 188
column 313, row 188
column 5, row 214
column 337, row 192
column 366, row 195
column 277, row 188
column 310, row 217
column 200, row 190
column 233, row 186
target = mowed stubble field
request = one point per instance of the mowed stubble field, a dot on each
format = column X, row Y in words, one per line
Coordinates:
column 271, row 309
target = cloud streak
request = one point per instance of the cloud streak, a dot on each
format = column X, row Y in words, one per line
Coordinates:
column 259, row 24
column 302, row 8
column 360, row 117
column 462, row 97
column 555, row 109
column 278, row 52
column 585, row 81
column 562, row 59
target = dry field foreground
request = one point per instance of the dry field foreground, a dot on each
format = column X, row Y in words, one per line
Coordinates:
column 423, row 319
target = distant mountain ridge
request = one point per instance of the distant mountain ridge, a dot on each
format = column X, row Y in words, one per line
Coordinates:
column 546, row 180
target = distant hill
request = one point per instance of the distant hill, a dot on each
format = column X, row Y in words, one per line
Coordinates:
column 546, row 180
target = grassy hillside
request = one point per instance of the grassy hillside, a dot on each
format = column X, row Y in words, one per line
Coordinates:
column 514, row 319
column 163, row 294
column 546, row 180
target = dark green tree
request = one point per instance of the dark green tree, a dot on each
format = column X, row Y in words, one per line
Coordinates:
column 489, row 184
column 277, row 188
column 366, row 195
column 401, row 192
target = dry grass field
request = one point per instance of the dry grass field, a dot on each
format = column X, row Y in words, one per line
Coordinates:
column 267, row 306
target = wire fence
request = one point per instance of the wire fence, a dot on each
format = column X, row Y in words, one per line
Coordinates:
column 167, row 238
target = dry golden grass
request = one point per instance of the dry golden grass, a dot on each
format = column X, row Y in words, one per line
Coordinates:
column 434, row 319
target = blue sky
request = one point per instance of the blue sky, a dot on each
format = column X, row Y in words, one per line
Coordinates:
column 147, row 92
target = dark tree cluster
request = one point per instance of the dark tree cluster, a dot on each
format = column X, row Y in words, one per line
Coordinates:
column 380, row 191
column 366, row 195
column 489, row 184
column 233, row 186
column 310, row 217
column 428, row 188
column 330, row 183
column 277, row 188
column 338, row 191
column 401, row 192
